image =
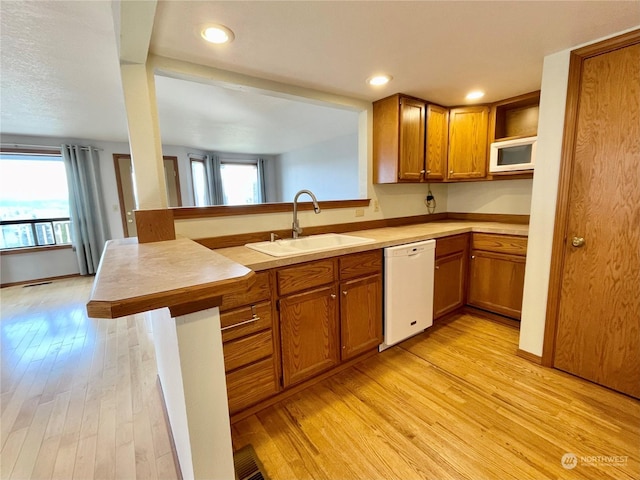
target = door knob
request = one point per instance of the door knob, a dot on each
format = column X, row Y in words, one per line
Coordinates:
column 577, row 242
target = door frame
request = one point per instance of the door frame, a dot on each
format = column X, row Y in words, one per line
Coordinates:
column 123, row 213
column 567, row 158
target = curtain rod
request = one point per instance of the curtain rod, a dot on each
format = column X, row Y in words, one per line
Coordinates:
column 43, row 147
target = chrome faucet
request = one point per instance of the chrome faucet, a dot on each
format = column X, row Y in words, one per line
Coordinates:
column 316, row 208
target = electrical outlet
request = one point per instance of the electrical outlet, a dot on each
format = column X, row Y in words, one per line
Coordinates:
column 376, row 206
column 359, row 212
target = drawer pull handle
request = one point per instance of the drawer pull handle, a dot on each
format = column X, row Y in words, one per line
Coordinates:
column 246, row 322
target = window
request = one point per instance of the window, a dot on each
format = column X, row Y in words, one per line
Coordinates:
column 34, row 201
column 239, row 183
column 226, row 182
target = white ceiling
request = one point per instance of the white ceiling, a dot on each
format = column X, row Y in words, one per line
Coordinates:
column 236, row 120
column 60, row 73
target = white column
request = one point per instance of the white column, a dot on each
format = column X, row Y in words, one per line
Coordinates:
column 191, row 370
column 144, row 136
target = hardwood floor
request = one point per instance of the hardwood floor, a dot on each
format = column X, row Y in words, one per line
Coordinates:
column 78, row 396
column 79, row 400
column 452, row 403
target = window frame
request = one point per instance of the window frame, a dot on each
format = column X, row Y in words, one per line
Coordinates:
column 52, row 221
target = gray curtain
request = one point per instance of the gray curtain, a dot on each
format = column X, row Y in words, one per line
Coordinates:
column 215, row 179
column 88, row 219
column 262, row 187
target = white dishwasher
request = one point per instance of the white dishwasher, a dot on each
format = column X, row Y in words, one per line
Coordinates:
column 408, row 290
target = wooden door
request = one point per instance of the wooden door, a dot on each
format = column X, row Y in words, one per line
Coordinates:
column 496, row 282
column 309, row 334
column 172, row 181
column 412, row 126
column 360, row 315
column 126, row 190
column 449, row 283
column 437, row 142
column 468, row 134
column 598, row 317
column 126, row 193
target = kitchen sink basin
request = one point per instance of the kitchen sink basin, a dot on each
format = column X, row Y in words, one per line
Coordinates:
column 313, row 243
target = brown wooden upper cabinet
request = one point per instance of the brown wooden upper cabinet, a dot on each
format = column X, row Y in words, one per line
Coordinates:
column 468, row 137
column 398, row 139
column 437, row 142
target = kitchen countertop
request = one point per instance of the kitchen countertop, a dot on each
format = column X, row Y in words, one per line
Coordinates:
column 180, row 274
column 384, row 237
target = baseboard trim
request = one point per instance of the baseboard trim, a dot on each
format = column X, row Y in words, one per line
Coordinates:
column 172, row 442
column 492, row 316
column 529, row 356
column 39, row 280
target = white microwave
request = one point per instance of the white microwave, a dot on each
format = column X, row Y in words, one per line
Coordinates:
column 513, row 155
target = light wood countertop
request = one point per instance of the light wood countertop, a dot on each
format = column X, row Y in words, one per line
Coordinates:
column 384, row 237
column 180, row 274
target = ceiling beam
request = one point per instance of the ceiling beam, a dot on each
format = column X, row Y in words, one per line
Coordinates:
column 133, row 22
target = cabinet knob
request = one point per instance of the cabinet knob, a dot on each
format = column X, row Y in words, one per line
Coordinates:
column 333, row 295
column 344, row 292
column 422, row 171
column 428, row 172
column 451, row 172
column 472, row 257
column 437, row 267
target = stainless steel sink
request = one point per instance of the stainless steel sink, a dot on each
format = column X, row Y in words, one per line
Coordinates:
column 313, row 243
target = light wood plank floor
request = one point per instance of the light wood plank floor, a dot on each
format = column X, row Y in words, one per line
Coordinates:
column 79, row 400
column 452, row 403
column 78, row 396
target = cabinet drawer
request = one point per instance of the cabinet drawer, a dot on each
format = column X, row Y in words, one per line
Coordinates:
column 251, row 384
column 260, row 290
column 246, row 350
column 233, row 322
column 303, row 277
column 509, row 244
column 360, row 264
column 448, row 245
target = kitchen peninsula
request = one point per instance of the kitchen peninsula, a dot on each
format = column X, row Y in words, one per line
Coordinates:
column 193, row 282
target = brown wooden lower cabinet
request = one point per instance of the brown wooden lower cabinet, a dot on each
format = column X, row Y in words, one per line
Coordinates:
column 249, row 345
column 360, row 315
column 251, row 384
column 450, row 276
column 496, row 282
column 496, row 273
column 308, row 334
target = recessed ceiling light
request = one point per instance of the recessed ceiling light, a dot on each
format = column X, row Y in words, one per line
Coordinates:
column 217, row 34
column 476, row 94
column 378, row 80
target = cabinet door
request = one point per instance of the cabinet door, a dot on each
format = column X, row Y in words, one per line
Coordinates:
column 449, row 283
column 437, row 142
column 360, row 315
column 468, row 130
column 411, row 160
column 309, row 334
column 496, row 282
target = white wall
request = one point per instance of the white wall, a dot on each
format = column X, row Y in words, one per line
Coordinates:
column 329, row 169
column 543, row 208
column 497, row 196
column 24, row 267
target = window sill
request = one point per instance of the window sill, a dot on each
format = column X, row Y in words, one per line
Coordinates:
column 260, row 208
column 47, row 248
